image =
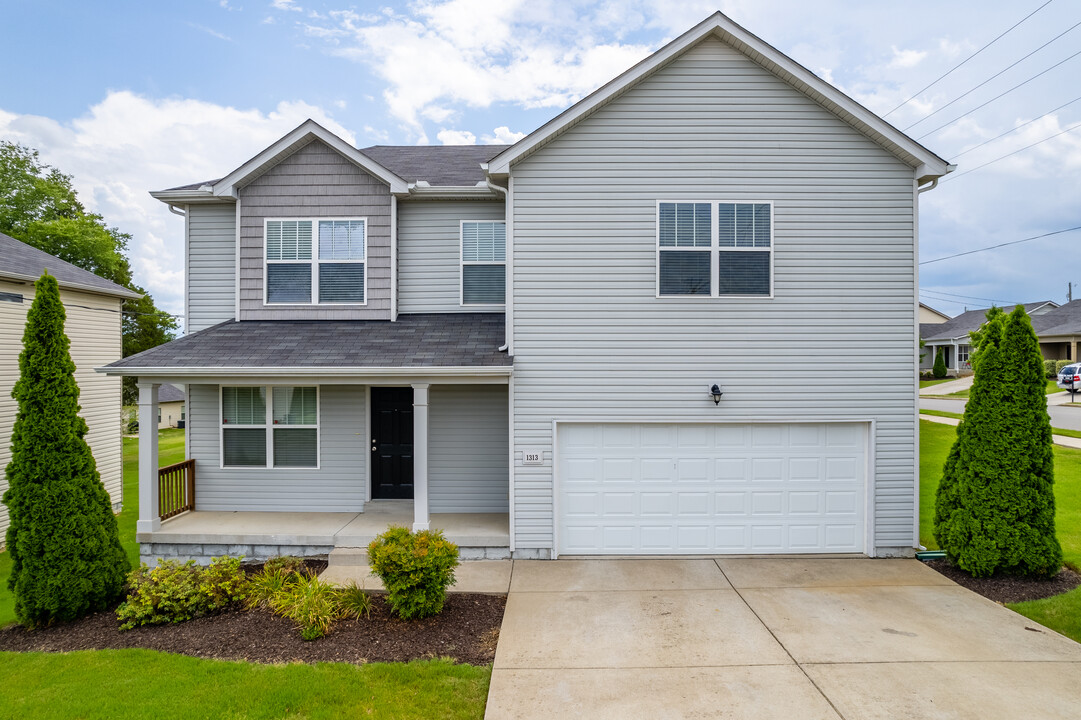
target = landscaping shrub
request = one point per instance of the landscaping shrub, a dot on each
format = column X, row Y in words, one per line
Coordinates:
column 995, row 507
column 174, row 592
column 416, row 569
column 264, row 586
column 66, row 557
column 309, row 602
column 939, row 368
column 354, row 602
column 1050, row 368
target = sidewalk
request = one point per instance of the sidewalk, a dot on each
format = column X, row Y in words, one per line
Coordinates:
column 1071, row 442
column 949, row 387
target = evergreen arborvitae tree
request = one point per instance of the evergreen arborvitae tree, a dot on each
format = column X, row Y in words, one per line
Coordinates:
column 939, row 368
column 995, row 507
column 66, row 555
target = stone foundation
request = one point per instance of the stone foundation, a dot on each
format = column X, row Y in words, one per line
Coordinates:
column 150, row 553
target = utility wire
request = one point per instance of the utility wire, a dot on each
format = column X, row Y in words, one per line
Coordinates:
column 1015, row 129
column 977, row 87
column 930, row 294
column 943, row 75
column 995, row 247
column 996, row 97
column 992, row 162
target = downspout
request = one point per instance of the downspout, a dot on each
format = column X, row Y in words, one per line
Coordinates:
column 177, row 211
column 925, row 188
column 502, row 191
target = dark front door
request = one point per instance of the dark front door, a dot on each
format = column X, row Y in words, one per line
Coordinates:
column 392, row 443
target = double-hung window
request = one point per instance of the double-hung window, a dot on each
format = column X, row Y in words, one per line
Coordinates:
column 316, row 261
column 714, row 249
column 275, row 426
column 484, row 262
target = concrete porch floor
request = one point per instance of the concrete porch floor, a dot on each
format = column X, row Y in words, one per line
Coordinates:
column 341, row 529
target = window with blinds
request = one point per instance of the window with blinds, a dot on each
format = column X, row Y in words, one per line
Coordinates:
column 289, row 439
column 484, row 263
column 730, row 257
column 316, row 261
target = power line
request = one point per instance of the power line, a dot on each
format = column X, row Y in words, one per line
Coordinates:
column 977, row 87
column 996, row 97
column 933, row 293
column 994, row 247
column 992, row 162
column 943, row 75
column 1015, row 129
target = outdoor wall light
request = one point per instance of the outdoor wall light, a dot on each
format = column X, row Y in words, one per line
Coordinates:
column 715, row 393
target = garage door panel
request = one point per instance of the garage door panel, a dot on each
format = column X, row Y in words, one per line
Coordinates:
column 674, row 488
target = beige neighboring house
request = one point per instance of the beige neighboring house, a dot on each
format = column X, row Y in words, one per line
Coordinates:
column 171, row 410
column 93, row 325
column 930, row 316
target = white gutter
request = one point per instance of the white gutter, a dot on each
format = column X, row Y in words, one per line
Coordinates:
column 508, row 300
column 177, row 211
column 422, row 190
column 450, row 371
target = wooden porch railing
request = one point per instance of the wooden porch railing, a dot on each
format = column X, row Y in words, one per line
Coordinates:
column 176, row 489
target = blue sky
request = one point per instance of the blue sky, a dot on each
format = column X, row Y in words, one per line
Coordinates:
column 133, row 96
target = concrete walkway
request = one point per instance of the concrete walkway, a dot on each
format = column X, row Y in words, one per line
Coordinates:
column 769, row 638
column 1063, row 440
column 949, row 387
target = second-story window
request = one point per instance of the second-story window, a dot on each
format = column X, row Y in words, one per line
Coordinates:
column 484, row 262
column 316, row 261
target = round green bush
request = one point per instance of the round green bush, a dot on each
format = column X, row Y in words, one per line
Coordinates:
column 416, row 569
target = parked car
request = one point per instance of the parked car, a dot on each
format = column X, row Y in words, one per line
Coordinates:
column 1070, row 378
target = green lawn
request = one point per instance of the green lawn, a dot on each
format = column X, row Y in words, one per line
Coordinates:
column 1061, row 613
column 147, row 684
column 1057, row 431
column 1050, row 388
column 929, row 383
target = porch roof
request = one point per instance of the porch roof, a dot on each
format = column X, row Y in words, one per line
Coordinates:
column 452, row 340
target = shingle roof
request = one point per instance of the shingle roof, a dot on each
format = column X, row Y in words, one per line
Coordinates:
column 192, row 186
column 1064, row 320
column 437, row 164
column 24, row 262
column 967, row 322
column 443, row 340
column 170, row 393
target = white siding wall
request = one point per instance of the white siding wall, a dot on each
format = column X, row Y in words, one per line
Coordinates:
column 93, row 326
column 592, row 340
column 429, row 252
column 211, row 265
column 339, row 485
column 467, row 448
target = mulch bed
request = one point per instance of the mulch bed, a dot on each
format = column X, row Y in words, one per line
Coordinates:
column 1006, row 588
column 466, row 630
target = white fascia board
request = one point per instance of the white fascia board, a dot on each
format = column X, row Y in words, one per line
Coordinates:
column 318, row 373
column 227, row 186
column 188, row 197
column 451, row 192
column 929, row 164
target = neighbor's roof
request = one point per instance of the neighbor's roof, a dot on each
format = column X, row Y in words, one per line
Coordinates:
column 927, row 164
column 436, row 164
column 413, row 341
column 966, row 322
column 1064, row 320
column 20, row 261
column 170, row 393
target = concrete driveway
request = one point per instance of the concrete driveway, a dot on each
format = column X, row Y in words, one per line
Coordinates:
column 770, row 638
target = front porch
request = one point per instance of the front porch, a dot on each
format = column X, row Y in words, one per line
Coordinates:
column 204, row 534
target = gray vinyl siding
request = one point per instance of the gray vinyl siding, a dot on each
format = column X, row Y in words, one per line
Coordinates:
column 339, row 485
column 315, row 181
column 211, row 265
column 591, row 339
column 429, row 253
column 467, row 449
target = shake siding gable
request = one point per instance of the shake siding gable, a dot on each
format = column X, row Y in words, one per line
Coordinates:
column 315, row 181
column 429, row 253
column 592, row 340
column 211, row 265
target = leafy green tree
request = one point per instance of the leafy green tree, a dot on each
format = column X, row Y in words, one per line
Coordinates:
column 39, row 206
column 995, row 506
column 939, row 368
column 66, row 555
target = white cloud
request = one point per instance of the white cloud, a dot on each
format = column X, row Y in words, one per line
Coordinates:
column 127, row 145
column 456, row 137
column 210, row 31
column 906, row 58
column 286, row 5
column 502, row 135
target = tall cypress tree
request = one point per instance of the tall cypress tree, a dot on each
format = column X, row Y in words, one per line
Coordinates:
column 995, row 506
column 66, row 554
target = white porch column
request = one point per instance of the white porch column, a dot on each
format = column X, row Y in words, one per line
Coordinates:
column 148, row 459
column 420, row 457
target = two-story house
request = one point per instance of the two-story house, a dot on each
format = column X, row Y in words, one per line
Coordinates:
column 680, row 317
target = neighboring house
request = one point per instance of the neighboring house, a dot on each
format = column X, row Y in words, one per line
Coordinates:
column 930, row 316
column 680, row 317
column 1059, row 331
column 171, row 410
column 953, row 336
column 93, row 326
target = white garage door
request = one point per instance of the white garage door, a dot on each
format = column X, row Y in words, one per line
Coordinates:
column 649, row 489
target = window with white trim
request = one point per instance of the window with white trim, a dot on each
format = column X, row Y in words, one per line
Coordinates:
column 291, row 437
column 484, row 262
column 316, row 261
column 730, row 257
